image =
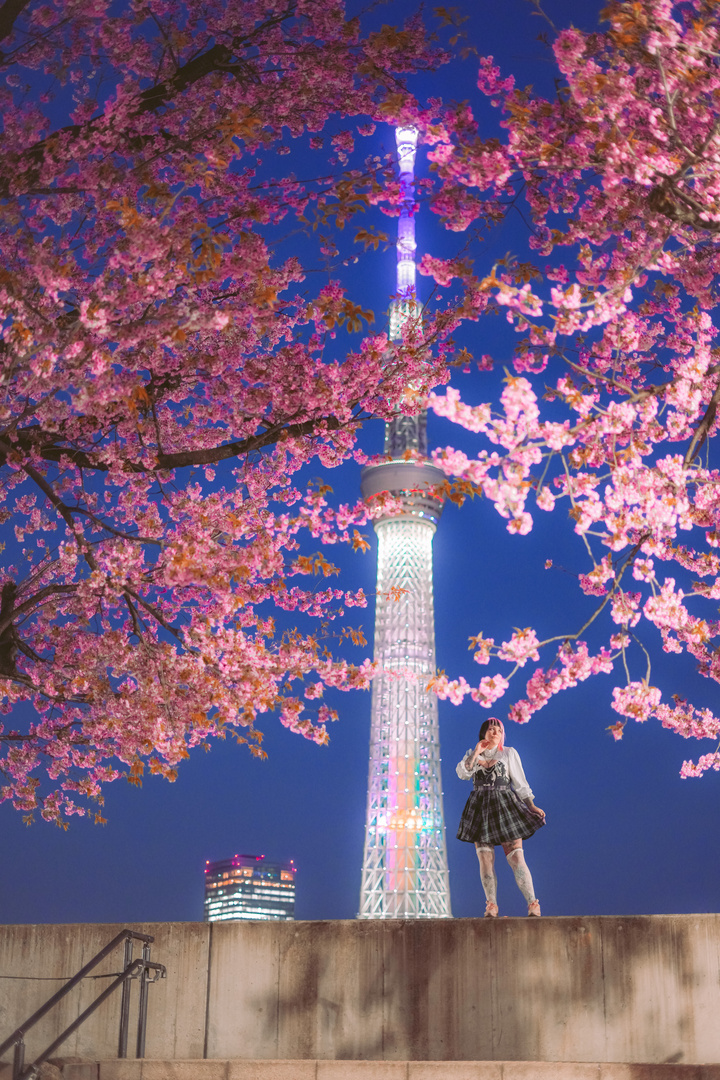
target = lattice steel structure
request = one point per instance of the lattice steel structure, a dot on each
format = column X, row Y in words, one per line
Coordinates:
column 405, row 873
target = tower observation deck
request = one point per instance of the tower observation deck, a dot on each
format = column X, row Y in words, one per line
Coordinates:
column 405, row 874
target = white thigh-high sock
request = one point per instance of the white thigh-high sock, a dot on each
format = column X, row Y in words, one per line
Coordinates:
column 486, row 858
column 524, row 881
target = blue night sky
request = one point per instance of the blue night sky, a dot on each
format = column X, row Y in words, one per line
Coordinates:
column 624, row 834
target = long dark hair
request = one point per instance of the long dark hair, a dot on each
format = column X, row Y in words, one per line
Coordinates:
column 486, row 724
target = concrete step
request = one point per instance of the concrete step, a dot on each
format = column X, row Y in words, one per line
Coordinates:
column 375, row 1070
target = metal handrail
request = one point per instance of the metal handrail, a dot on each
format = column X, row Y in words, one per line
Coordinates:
column 132, row 969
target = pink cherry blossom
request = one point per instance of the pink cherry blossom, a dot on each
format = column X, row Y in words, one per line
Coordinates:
column 167, row 373
column 611, row 414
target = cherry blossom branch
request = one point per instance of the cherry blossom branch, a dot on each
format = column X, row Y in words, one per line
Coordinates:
column 17, row 736
column 34, row 602
column 178, row 459
column 573, row 502
column 57, row 502
column 215, row 59
column 157, row 615
column 632, row 395
column 134, row 616
column 43, row 692
column 668, row 98
column 701, row 431
column 9, row 12
column 135, row 537
column 648, row 668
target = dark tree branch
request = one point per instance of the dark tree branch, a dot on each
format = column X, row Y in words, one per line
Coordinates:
column 30, row 653
column 137, row 539
column 218, row 58
column 17, row 736
column 9, row 12
column 134, row 616
column 58, row 699
column 157, row 615
column 701, row 431
column 8, row 617
column 63, row 510
column 45, row 443
column 678, row 206
column 214, row 454
column 8, row 637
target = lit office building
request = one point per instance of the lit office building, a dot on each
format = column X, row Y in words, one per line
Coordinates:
column 249, row 887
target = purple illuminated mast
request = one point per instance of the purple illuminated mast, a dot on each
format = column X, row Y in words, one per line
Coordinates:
column 405, row 873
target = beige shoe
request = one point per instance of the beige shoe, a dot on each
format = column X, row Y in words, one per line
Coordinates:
column 534, row 908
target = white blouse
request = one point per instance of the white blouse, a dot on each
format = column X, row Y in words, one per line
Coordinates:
column 510, row 757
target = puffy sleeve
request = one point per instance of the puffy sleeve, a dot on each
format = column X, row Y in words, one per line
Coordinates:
column 463, row 772
column 517, row 775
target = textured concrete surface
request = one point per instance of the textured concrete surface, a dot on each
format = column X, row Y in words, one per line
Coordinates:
column 602, row 989
column 385, row 1070
column 36, row 960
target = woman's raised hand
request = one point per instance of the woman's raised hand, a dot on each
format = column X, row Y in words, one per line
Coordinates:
column 476, row 759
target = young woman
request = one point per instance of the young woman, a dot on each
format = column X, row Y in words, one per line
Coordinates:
column 500, row 810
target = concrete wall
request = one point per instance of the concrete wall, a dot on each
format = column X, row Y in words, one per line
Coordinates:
column 242, row 1069
column 637, row 989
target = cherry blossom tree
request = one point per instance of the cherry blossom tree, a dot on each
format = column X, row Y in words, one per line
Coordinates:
column 169, row 367
column 153, row 332
column 611, row 410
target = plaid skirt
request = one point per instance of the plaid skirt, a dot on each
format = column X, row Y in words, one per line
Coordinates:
column 494, row 815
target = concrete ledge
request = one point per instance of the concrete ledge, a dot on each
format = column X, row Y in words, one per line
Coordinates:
column 384, row 1070
column 603, row 988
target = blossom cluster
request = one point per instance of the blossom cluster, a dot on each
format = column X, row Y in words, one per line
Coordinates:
column 169, row 369
column 609, row 414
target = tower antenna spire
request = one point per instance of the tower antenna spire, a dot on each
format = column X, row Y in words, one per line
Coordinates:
column 405, row 874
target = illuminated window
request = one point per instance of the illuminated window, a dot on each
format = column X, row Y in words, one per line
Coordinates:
column 249, row 887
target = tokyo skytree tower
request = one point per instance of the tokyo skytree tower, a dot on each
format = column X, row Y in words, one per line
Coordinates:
column 405, row 874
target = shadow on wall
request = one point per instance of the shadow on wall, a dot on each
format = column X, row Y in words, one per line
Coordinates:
column 641, row 989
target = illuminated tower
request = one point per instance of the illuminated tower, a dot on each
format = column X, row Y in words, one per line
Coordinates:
column 405, row 873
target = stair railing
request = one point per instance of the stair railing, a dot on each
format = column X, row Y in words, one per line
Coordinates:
column 141, row 968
